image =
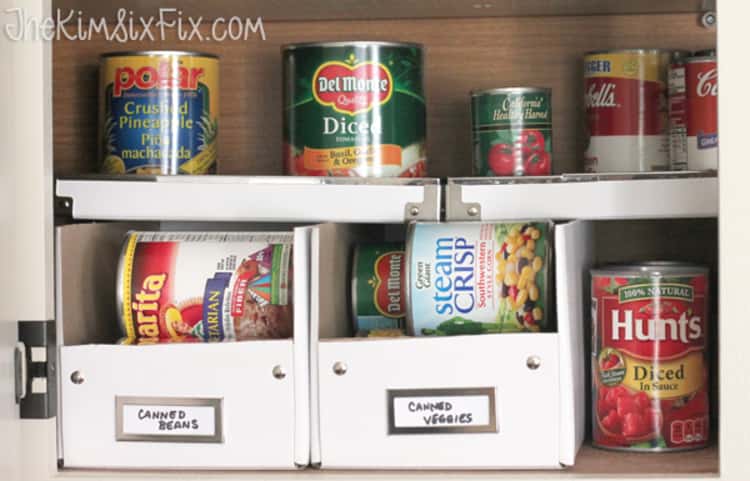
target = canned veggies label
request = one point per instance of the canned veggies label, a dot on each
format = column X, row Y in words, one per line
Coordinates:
column 354, row 110
column 159, row 114
column 649, row 365
column 206, row 286
column 474, row 278
column 378, row 288
column 512, row 133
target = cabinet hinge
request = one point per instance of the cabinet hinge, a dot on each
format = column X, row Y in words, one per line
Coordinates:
column 35, row 366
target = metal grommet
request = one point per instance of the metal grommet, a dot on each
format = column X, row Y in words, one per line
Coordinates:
column 414, row 211
column 472, row 211
column 76, row 377
column 533, row 362
column 339, row 368
column 279, row 372
column 708, row 19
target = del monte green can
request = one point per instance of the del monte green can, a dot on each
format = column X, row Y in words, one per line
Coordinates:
column 354, row 109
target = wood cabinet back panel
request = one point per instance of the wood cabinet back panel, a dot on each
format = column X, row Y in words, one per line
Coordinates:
column 462, row 54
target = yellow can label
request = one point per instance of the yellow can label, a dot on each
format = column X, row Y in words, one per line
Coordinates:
column 647, row 67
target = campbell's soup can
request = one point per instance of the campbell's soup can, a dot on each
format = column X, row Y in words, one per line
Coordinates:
column 702, row 85
column 649, row 359
column 158, row 112
column 354, row 109
column 625, row 93
column 378, row 291
column 677, row 111
column 478, row 278
column 205, row 286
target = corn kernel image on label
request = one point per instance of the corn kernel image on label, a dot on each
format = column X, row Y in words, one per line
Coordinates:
column 158, row 113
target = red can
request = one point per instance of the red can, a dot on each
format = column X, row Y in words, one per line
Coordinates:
column 701, row 82
column 649, row 366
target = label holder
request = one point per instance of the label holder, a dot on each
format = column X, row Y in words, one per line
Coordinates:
column 214, row 403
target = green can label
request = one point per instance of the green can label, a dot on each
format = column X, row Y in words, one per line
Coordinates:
column 378, row 298
column 354, row 110
column 512, row 132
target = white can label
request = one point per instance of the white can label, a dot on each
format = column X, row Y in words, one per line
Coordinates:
column 441, row 411
column 195, row 420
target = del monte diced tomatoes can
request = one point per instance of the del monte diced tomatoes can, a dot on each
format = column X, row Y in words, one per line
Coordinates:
column 354, row 109
column 649, row 359
column 377, row 291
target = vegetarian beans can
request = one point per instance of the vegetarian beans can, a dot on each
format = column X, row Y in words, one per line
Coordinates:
column 625, row 93
column 354, row 109
column 477, row 278
column 702, row 85
column 512, row 131
column 158, row 112
column 205, row 286
column 649, row 359
column 377, row 291
column 677, row 111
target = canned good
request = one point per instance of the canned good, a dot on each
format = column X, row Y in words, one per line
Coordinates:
column 158, row 112
column 378, row 301
column 354, row 109
column 649, row 359
column 677, row 111
column 626, row 111
column 512, row 131
column 205, row 286
column 477, row 278
column 702, row 85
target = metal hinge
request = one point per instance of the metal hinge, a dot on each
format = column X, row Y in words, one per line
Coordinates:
column 36, row 374
column 428, row 209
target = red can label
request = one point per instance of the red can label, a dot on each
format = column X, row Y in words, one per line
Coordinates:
column 702, row 128
column 649, row 366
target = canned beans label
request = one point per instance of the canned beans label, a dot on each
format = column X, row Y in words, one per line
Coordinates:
column 159, row 114
column 650, row 386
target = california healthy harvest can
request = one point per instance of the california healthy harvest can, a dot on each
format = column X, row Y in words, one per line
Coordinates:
column 512, row 131
column 649, row 359
column 378, row 300
column 354, row 109
column 702, row 85
column 205, row 286
column 477, row 278
column 625, row 95
column 158, row 112
column 677, row 111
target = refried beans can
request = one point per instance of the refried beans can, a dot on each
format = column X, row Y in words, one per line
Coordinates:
column 677, row 111
column 702, row 85
column 377, row 291
column 158, row 112
column 205, row 286
column 354, row 109
column 649, row 358
column 478, row 278
column 625, row 93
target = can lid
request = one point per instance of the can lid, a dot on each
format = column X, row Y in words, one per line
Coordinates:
column 630, row 50
column 352, row 44
column 158, row 53
column 651, row 268
column 511, row 90
column 703, row 59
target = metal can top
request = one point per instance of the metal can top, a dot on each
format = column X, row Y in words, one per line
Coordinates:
column 511, row 90
column 409, row 323
column 651, row 269
column 353, row 43
column 158, row 53
column 631, row 50
column 704, row 59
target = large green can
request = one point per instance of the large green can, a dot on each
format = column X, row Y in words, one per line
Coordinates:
column 512, row 131
column 354, row 109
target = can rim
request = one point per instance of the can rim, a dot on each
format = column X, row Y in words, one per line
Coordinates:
column 353, row 43
column 158, row 53
column 408, row 243
column 511, row 90
column 652, row 268
column 701, row 59
column 631, row 50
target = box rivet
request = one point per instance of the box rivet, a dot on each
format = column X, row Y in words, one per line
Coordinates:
column 533, row 362
column 414, row 211
column 279, row 372
column 472, row 211
column 339, row 368
column 76, row 377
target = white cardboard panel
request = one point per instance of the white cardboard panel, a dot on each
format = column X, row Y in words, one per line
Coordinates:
column 353, row 406
column 301, row 346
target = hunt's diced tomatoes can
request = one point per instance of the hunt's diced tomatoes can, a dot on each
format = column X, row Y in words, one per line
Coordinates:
column 701, row 81
column 649, row 358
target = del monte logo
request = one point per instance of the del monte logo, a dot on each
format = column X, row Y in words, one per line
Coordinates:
column 352, row 87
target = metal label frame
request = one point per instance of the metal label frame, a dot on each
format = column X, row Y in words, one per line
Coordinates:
column 489, row 392
column 215, row 403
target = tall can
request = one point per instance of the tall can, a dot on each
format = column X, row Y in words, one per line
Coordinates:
column 478, row 278
column 377, row 290
column 625, row 97
column 354, row 109
column 512, row 131
column 702, row 85
column 649, row 359
column 677, row 110
column 158, row 112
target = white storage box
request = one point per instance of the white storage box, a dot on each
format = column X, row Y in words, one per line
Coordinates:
column 247, row 402
column 525, row 392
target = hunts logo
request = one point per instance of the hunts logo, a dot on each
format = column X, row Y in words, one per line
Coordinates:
column 351, row 89
column 639, row 292
column 149, row 77
column 387, row 285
